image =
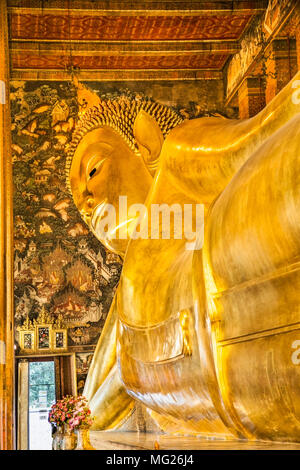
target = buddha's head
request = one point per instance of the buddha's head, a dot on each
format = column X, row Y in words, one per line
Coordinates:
column 114, row 152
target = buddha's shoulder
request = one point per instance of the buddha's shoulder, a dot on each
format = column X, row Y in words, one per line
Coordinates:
column 200, row 130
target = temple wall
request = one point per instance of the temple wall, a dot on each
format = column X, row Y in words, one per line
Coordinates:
column 190, row 98
column 58, row 263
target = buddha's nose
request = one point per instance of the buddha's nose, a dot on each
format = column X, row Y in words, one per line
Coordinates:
column 86, row 208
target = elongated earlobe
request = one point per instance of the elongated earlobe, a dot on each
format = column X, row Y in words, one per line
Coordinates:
column 148, row 136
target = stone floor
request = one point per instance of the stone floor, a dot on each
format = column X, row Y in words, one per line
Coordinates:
column 147, row 441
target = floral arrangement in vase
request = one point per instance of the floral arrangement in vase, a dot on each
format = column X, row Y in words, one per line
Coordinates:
column 71, row 413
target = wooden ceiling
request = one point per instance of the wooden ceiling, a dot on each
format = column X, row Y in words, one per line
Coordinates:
column 126, row 40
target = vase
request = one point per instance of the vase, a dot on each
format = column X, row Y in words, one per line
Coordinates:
column 68, row 440
column 83, row 439
column 57, row 438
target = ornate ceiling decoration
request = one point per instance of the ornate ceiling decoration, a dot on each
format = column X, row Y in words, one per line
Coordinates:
column 142, row 40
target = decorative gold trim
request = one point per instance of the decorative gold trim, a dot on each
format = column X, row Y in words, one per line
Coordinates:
column 44, row 320
column 22, row 335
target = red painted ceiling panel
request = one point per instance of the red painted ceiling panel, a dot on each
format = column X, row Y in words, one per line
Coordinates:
column 110, row 28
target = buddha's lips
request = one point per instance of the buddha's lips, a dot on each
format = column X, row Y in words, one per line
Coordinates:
column 115, row 230
column 97, row 214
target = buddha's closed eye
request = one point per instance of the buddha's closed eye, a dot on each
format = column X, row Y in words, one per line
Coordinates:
column 93, row 172
column 94, row 168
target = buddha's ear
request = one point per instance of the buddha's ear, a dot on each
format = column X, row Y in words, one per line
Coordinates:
column 148, row 136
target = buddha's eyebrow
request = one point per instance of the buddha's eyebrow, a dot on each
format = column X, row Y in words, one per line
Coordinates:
column 83, row 166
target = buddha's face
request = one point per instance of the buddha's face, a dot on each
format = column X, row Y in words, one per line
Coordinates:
column 103, row 169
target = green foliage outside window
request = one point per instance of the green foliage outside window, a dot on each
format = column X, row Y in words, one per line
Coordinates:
column 41, row 385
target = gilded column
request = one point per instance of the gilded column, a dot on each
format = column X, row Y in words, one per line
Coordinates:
column 6, row 247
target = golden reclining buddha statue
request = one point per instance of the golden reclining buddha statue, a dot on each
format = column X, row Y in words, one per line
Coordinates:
column 208, row 339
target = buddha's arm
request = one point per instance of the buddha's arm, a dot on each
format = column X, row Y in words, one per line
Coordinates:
column 105, row 354
column 202, row 155
column 108, row 400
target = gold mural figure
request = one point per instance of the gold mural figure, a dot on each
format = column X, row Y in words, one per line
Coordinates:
column 203, row 338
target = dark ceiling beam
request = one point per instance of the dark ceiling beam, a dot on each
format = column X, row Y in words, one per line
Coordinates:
column 117, row 75
column 128, row 48
column 137, row 7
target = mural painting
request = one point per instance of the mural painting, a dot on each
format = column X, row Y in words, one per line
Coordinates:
column 58, row 263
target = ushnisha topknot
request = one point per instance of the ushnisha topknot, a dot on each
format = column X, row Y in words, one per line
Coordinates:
column 118, row 113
